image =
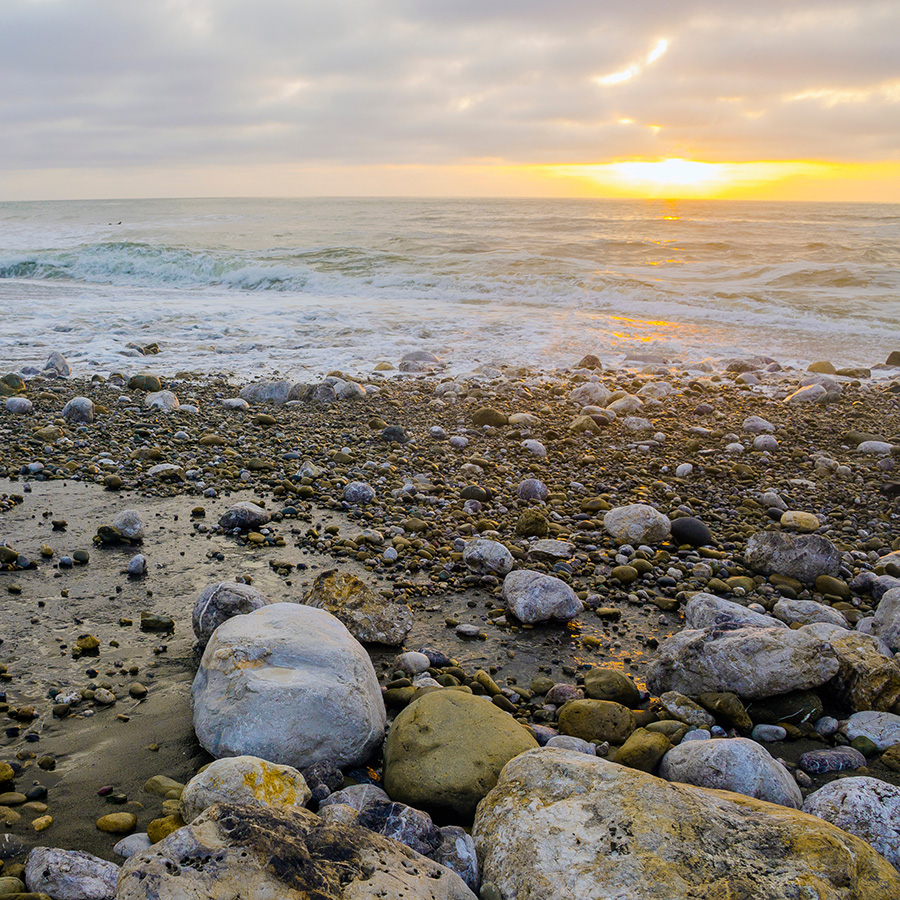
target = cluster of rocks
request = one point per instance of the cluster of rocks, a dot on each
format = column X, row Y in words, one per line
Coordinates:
column 561, row 499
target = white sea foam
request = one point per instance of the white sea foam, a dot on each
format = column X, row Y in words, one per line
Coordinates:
column 293, row 285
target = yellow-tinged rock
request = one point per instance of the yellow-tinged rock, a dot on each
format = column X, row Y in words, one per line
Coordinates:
column 117, row 823
column 42, row 823
column 560, row 825
column 796, row 520
column 162, row 828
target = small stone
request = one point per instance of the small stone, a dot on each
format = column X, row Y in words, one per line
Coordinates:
column 117, row 823
column 836, row 759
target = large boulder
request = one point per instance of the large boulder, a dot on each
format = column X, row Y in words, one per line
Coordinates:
column 289, row 854
column 535, row 597
column 560, row 825
column 70, row 874
column 749, row 662
column 866, row 807
column 637, row 523
column 881, row 728
column 246, row 781
column 886, row 621
column 866, row 678
column 738, row 765
column 219, row 602
column 597, row 720
column 446, row 749
column 290, row 684
column 368, row 616
column 804, row 558
column 703, row 610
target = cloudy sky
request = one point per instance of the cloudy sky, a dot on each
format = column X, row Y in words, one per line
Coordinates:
column 224, row 97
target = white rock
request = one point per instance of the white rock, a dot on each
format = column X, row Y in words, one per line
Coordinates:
column 244, row 780
column 765, row 442
column 234, row 403
column 656, row 390
column 737, row 764
column 412, row 663
column 486, row 557
column 535, row 447
column 569, row 742
column 591, row 393
column 637, row 523
column 287, row 683
column 134, row 843
column 534, row 597
column 882, row 728
column 866, row 807
column 130, row 524
column 626, row 406
column 684, row 470
column 164, row 400
column 70, row 874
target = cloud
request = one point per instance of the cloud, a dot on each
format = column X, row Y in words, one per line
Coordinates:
column 192, row 82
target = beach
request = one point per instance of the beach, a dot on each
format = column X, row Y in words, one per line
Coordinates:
column 434, row 487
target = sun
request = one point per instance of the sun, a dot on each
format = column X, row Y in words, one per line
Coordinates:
column 675, row 172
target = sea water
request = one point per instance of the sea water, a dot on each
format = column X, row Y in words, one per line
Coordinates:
column 303, row 286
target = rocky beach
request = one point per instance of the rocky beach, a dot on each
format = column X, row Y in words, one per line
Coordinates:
column 601, row 631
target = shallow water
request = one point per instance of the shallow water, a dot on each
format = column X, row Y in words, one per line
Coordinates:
column 247, row 286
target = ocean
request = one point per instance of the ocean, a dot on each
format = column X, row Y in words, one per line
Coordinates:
column 303, row 286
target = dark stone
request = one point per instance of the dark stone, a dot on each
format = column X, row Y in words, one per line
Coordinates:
column 589, row 362
column 437, row 658
column 394, row 433
column 323, row 779
column 835, row 759
column 893, row 358
column 402, row 823
column 688, row 530
column 474, row 492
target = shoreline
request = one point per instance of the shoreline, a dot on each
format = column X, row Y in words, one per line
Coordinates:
column 86, row 472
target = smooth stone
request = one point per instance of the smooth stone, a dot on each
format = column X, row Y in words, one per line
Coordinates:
column 445, row 751
column 402, row 823
column 486, row 557
column 568, row 742
column 129, row 524
column 886, row 621
column 276, row 392
column 19, row 406
column 70, row 874
column 806, row 612
column 597, row 720
column 245, row 516
column 562, row 825
column 768, row 734
column 134, row 843
column 737, row 764
column 637, row 524
column 289, row 854
column 457, row 853
column 359, row 492
column 643, row 750
column 79, row 410
column 164, row 400
column 246, row 781
column 831, row 759
column 866, row 807
column 57, row 365
column 368, row 616
column 357, row 796
column 689, row 530
column 686, row 710
column 796, row 520
column 592, row 393
column 117, row 823
column 412, row 663
column 532, row 489
column 535, row 597
column 219, row 602
column 290, row 684
column 611, row 684
column 137, row 565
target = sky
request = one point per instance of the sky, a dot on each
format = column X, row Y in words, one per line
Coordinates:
column 158, row 98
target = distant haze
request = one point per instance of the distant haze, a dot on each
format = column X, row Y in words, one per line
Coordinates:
column 293, row 97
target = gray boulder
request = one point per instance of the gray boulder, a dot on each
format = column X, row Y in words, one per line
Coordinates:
column 534, row 597
column 289, row 854
column 738, row 765
column 886, row 621
column 57, row 365
column 70, row 874
column 219, row 602
column 290, row 684
column 704, row 610
column 807, row 612
column 881, row 728
column 804, row 558
column 129, row 524
column 19, row 406
column 866, row 807
column 749, row 662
